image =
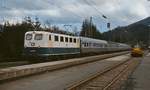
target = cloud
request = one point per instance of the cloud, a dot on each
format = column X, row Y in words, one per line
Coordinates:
column 119, row 12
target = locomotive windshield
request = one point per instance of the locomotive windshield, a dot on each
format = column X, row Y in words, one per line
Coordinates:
column 38, row 36
column 28, row 36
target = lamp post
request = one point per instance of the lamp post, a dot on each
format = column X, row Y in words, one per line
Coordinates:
column 108, row 24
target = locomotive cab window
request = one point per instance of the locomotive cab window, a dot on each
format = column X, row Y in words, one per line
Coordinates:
column 62, row 39
column 28, row 36
column 38, row 36
column 56, row 38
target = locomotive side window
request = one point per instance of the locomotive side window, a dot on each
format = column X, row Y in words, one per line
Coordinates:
column 70, row 39
column 66, row 39
column 62, row 39
column 38, row 37
column 28, row 36
column 49, row 37
column 56, row 38
column 74, row 40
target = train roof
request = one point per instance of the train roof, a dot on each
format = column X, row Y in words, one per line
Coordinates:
column 85, row 38
column 45, row 32
column 121, row 44
column 92, row 39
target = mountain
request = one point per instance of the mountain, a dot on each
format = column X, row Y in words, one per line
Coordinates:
column 138, row 32
column 145, row 21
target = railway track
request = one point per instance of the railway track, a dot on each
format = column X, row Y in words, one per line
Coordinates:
column 109, row 79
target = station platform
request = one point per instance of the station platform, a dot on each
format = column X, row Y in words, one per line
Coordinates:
column 62, row 78
column 140, row 78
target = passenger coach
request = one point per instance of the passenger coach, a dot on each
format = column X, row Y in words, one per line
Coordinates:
column 89, row 45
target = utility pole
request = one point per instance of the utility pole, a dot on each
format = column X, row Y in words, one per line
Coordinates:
column 108, row 26
column 75, row 31
column 149, row 39
column 90, row 30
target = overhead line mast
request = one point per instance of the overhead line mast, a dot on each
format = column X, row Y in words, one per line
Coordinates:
column 100, row 13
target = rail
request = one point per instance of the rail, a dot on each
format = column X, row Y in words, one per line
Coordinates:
column 105, row 79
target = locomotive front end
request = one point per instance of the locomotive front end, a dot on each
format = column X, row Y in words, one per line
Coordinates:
column 35, row 44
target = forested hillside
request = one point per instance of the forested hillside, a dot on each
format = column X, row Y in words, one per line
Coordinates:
column 138, row 32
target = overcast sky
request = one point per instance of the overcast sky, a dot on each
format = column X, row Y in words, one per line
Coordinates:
column 60, row 12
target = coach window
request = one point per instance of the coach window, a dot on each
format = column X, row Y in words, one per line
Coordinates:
column 66, row 39
column 89, row 44
column 49, row 37
column 38, row 36
column 28, row 36
column 70, row 39
column 82, row 44
column 62, row 39
column 103, row 45
column 74, row 40
column 100, row 45
column 56, row 38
